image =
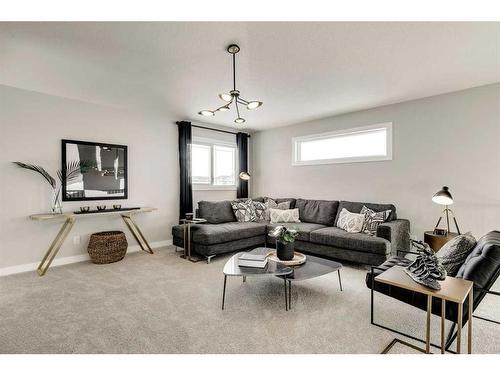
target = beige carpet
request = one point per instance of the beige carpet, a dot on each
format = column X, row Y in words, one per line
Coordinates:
column 162, row 304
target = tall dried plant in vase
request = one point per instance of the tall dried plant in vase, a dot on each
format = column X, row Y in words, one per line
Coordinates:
column 73, row 170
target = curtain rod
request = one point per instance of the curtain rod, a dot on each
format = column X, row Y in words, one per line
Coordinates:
column 213, row 129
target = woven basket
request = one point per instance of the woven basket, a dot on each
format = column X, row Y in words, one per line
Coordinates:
column 107, row 247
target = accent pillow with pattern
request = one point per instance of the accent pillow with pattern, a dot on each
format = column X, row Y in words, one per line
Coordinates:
column 243, row 210
column 373, row 219
column 260, row 211
column 271, row 203
column 455, row 251
column 350, row 221
column 284, row 216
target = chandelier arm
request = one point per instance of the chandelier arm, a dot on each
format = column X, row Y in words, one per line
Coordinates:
column 237, row 109
column 242, row 101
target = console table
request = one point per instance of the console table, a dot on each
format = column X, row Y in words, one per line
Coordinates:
column 70, row 219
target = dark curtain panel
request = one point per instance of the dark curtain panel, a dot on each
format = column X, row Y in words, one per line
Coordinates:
column 186, row 188
column 242, row 143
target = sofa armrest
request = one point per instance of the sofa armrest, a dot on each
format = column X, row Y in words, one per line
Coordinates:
column 397, row 232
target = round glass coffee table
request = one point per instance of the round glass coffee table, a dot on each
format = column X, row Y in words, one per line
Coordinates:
column 313, row 267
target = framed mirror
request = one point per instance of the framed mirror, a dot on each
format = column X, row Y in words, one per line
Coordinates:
column 93, row 171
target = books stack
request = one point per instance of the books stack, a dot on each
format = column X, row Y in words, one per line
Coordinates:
column 252, row 260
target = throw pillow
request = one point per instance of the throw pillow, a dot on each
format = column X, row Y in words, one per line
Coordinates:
column 350, row 221
column 260, row 211
column 373, row 219
column 284, row 216
column 271, row 203
column 243, row 210
column 455, row 251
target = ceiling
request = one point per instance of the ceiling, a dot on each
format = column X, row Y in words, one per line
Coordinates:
column 301, row 71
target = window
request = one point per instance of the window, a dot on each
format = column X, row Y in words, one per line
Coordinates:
column 369, row 143
column 201, row 165
column 213, row 166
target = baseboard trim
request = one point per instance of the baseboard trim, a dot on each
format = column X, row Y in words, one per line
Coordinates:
column 72, row 259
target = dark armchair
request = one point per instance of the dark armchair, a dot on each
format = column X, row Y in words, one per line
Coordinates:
column 482, row 266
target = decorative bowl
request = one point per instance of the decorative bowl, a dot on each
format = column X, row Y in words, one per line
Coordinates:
column 117, row 206
column 85, row 209
column 101, row 208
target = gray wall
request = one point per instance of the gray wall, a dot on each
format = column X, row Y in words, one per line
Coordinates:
column 32, row 126
column 451, row 139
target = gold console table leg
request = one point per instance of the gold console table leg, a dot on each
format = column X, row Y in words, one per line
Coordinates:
column 136, row 232
column 55, row 246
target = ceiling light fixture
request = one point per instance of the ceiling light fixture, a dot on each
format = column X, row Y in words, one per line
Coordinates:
column 234, row 95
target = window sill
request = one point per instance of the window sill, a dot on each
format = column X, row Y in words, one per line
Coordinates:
column 213, row 188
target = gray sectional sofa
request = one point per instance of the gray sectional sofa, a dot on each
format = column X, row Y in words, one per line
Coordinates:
column 318, row 233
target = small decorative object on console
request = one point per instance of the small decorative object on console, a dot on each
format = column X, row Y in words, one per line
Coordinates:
column 285, row 241
column 85, row 209
column 427, row 268
column 101, row 208
column 117, row 206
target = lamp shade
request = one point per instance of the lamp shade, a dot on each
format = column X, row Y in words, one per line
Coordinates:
column 245, row 176
column 443, row 197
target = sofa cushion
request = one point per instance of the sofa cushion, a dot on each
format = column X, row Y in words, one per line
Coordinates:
column 317, row 211
column 281, row 200
column 209, row 234
column 337, row 237
column 358, row 206
column 304, row 229
column 216, row 212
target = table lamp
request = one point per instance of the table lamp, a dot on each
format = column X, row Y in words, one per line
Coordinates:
column 444, row 198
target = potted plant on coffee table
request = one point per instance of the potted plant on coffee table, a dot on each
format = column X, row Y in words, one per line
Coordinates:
column 285, row 241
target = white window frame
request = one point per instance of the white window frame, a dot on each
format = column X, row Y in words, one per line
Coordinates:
column 357, row 159
column 211, row 143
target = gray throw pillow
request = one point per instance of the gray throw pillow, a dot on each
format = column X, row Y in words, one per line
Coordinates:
column 455, row 251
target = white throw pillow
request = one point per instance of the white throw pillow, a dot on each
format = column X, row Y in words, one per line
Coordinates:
column 284, row 216
column 350, row 221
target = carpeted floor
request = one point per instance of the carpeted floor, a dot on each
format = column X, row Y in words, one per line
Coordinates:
column 163, row 304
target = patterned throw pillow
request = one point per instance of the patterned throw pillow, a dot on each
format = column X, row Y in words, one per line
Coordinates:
column 350, row 222
column 284, row 216
column 455, row 251
column 260, row 211
column 243, row 210
column 271, row 203
column 373, row 219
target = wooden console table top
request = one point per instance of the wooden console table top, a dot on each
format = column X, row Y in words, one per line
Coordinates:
column 50, row 216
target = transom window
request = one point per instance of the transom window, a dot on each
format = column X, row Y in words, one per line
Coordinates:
column 369, row 143
column 213, row 165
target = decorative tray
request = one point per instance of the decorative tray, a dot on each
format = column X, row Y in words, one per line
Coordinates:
column 298, row 259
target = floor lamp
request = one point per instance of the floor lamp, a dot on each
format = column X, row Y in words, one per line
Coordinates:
column 444, row 198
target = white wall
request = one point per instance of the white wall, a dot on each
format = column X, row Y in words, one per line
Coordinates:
column 32, row 126
column 451, row 139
